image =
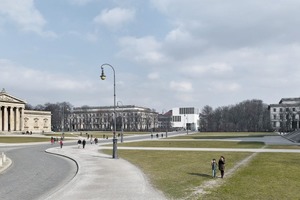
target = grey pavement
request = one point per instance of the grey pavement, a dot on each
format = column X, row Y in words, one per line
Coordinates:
column 101, row 177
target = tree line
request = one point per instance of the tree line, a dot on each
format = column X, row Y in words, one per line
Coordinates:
column 59, row 113
column 249, row 115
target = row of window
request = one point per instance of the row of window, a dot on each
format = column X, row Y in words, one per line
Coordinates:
column 286, row 109
column 184, row 111
column 288, row 116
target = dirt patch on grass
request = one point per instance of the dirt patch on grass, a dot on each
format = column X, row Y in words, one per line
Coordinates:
column 206, row 186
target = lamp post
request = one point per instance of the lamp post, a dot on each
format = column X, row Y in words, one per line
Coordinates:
column 121, row 120
column 115, row 140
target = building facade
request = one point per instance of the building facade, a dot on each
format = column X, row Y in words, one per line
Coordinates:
column 128, row 118
column 15, row 119
column 165, row 123
column 285, row 116
column 185, row 118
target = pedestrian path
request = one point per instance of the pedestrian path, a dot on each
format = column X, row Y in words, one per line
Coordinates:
column 101, row 177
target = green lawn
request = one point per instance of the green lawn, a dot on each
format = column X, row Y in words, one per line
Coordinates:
column 268, row 176
column 194, row 144
column 223, row 135
column 178, row 173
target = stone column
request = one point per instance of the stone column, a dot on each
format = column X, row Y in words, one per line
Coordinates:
column 5, row 120
column 1, row 118
column 18, row 119
column 22, row 119
column 11, row 119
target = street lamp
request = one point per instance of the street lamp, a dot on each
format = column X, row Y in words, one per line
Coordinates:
column 115, row 140
column 121, row 120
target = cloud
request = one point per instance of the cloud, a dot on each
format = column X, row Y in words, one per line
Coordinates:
column 115, row 18
column 224, row 87
column 37, row 79
column 145, row 49
column 182, row 86
column 153, row 76
column 25, row 15
column 80, row 2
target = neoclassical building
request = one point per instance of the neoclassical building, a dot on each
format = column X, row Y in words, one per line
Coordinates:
column 285, row 116
column 128, row 118
column 15, row 119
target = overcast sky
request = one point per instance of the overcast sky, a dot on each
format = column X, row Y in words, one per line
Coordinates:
column 166, row 53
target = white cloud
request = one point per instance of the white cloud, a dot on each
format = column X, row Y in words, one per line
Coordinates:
column 115, row 18
column 153, row 76
column 209, row 69
column 145, row 49
column 225, row 87
column 38, row 79
column 182, row 86
column 80, row 2
column 25, row 15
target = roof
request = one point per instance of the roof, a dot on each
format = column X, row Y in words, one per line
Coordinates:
column 5, row 97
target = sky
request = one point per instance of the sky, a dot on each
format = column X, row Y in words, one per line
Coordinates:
column 165, row 53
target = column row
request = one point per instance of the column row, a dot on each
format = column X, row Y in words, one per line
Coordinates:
column 11, row 118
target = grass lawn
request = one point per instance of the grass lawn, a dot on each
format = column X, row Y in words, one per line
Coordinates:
column 177, row 173
column 223, row 135
column 98, row 134
column 194, row 144
column 268, row 176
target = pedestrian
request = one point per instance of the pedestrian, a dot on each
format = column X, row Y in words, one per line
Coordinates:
column 61, row 143
column 214, row 166
column 83, row 143
column 52, row 140
column 96, row 140
column 222, row 165
column 79, row 143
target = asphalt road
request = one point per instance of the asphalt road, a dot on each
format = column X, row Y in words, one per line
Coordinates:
column 34, row 173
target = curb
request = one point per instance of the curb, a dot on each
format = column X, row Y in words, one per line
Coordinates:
column 6, row 165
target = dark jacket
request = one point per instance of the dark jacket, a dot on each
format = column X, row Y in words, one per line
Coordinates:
column 221, row 164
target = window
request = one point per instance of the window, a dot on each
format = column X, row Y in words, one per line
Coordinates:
column 176, row 118
column 280, row 109
column 294, row 109
column 274, row 109
column 184, row 111
column 274, row 116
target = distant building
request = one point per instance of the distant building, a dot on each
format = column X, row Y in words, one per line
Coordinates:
column 185, row 118
column 284, row 116
column 165, row 123
column 15, row 119
column 128, row 118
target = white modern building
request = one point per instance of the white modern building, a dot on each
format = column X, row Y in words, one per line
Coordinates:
column 186, row 118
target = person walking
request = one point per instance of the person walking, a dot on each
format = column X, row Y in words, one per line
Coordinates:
column 214, row 166
column 83, row 143
column 79, row 143
column 221, row 164
column 61, row 143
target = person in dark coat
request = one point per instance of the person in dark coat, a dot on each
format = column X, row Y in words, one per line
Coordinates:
column 79, row 143
column 221, row 165
column 83, row 143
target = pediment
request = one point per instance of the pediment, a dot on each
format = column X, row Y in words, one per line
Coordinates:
column 4, row 97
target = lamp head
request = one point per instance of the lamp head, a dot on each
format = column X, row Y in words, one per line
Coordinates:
column 102, row 74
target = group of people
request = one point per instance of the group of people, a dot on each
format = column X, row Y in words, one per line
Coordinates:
column 220, row 165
